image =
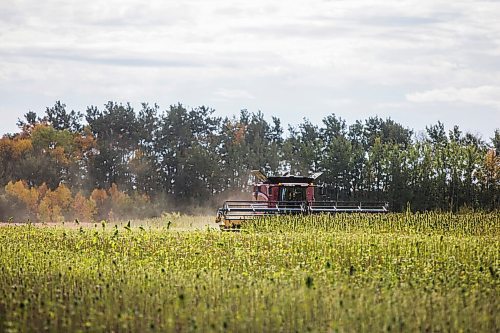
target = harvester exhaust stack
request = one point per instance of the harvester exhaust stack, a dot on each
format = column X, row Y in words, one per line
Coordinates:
column 316, row 175
column 259, row 175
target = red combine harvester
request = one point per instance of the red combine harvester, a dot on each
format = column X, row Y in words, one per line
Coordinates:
column 280, row 195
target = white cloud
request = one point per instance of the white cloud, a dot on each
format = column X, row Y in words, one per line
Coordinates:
column 290, row 60
column 233, row 94
column 483, row 95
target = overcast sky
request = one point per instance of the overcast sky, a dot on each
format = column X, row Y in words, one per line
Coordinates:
column 414, row 61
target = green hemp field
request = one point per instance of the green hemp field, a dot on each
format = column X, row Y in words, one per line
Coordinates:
column 348, row 273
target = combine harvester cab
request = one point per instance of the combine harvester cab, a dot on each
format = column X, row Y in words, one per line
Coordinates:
column 284, row 195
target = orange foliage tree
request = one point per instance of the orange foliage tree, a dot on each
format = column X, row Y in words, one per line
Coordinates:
column 42, row 204
column 11, row 152
column 19, row 192
column 83, row 209
column 489, row 176
column 102, row 202
column 121, row 203
column 55, row 205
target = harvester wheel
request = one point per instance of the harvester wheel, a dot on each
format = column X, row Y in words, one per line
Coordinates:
column 233, row 228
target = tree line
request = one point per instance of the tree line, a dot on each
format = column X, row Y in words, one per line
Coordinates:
column 180, row 159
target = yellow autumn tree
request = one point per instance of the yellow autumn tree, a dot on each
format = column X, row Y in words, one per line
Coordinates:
column 55, row 205
column 85, row 143
column 14, row 148
column 27, row 197
column 489, row 176
column 489, row 172
column 48, row 211
column 102, row 203
column 121, row 203
column 11, row 152
column 84, row 209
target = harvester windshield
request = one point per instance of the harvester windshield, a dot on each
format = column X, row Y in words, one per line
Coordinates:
column 295, row 193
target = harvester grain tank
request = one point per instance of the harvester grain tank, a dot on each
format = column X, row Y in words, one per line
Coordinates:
column 287, row 194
